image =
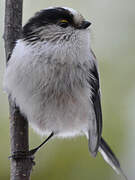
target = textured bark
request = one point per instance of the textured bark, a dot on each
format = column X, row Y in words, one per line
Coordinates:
column 20, row 168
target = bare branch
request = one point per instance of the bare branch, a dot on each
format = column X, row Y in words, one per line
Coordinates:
column 20, row 168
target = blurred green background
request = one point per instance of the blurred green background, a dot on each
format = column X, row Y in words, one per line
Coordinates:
column 113, row 41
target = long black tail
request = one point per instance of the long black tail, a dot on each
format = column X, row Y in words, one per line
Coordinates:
column 110, row 158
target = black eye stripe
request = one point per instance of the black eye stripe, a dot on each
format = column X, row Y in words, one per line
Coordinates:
column 63, row 24
column 51, row 16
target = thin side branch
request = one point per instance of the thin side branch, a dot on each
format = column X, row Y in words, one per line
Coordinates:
column 20, row 168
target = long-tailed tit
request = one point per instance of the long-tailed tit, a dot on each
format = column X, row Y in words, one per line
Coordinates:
column 53, row 78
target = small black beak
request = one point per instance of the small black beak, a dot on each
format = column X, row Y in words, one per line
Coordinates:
column 84, row 25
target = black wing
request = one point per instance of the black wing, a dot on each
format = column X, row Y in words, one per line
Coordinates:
column 96, row 142
column 95, row 128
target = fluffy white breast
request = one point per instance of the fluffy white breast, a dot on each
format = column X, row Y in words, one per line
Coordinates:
column 49, row 84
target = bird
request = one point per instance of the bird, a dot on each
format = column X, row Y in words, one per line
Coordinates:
column 53, row 77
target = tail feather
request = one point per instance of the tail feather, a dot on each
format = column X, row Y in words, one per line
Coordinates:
column 110, row 158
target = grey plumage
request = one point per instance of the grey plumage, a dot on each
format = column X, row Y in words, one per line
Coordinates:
column 52, row 76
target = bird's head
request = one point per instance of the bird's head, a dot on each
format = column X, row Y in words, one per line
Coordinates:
column 55, row 24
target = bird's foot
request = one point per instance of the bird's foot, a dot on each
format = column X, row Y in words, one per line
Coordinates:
column 23, row 154
column 28, row 154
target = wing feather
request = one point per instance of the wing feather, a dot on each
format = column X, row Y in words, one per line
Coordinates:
column 95, row 128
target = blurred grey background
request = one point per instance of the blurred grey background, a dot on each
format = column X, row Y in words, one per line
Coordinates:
column 113, row 41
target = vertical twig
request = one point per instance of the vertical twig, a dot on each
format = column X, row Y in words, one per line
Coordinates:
column 20, row 168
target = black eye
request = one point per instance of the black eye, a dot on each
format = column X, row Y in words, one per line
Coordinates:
column 63, row 23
